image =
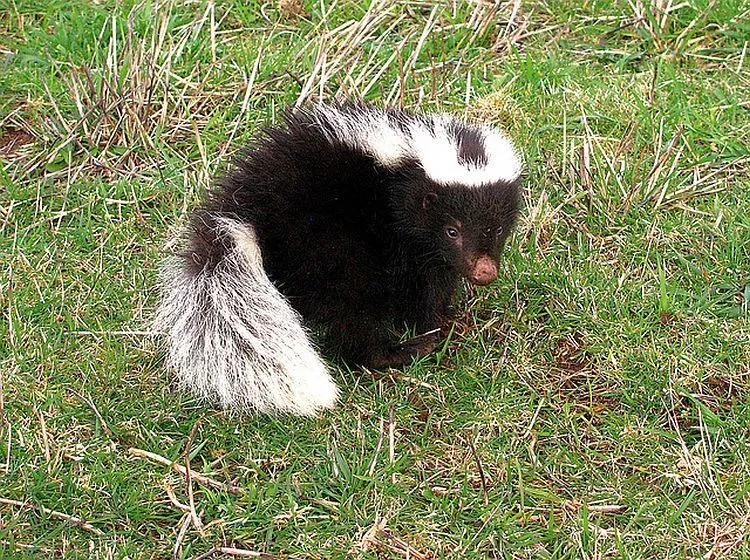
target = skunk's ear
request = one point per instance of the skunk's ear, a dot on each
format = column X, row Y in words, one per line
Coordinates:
column 429, row 199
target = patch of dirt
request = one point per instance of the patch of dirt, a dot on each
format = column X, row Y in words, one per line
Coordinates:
column 12, row 140
column 570, row 356
column 293, row 9
column 573, row 377
column 727, row 388
column 666, row 318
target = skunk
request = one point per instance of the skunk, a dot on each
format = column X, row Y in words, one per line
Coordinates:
column 347, row 218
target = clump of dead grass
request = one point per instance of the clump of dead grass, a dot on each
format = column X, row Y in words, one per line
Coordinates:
column 117, row 111
column 386, row 51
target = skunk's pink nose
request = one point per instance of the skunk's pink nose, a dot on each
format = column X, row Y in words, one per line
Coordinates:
column 484, row 271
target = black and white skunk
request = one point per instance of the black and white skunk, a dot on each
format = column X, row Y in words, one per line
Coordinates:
column 355, row 220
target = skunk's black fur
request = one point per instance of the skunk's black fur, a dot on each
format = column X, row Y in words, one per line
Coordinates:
column 365, row 220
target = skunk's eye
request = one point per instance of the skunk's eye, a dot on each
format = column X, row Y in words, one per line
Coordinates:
column 451, row 232
column 499, row 231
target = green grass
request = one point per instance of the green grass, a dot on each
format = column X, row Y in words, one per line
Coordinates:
column 609, row 366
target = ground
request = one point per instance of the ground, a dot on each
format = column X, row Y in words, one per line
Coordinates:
column 593, row 403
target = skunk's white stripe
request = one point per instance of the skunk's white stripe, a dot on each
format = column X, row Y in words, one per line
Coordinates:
column 368, row 131
column 234, row 340
column 437, row 150
column 425, row 139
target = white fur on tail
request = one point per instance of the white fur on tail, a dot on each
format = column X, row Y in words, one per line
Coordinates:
column 234, row 340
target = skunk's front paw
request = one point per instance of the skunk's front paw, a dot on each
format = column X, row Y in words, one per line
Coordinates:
column 403, row 353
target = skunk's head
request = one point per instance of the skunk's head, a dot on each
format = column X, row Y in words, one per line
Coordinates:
column 454, row 187
column 462, row 192
column 462, row 226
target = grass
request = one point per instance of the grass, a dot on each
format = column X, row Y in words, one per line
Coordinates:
column 593, row 403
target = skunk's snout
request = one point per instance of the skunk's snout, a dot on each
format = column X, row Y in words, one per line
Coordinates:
column 484, row 271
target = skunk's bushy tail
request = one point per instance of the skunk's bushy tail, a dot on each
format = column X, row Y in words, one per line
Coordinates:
column 233, row 339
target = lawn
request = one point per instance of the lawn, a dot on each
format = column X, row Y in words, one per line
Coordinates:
column 593, row 403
